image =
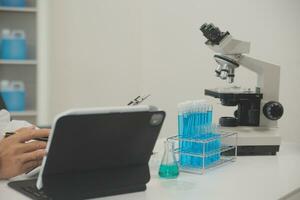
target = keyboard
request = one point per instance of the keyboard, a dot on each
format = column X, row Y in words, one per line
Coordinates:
column 29, row 189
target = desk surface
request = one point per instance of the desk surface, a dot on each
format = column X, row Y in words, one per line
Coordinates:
column 256, row 177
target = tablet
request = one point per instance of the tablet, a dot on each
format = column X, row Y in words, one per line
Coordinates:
column 99, row 151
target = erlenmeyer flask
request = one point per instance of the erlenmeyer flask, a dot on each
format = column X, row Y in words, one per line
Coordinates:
column 168, row 167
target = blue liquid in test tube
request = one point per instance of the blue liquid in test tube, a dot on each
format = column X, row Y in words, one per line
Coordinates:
column 209, row 117
column 181, row 135
column 197, row 161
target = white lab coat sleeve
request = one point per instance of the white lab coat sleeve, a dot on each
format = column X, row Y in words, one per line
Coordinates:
column 4, row 120
column 10, row 126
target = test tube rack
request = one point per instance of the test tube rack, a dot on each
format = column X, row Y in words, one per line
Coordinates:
column 204, row 154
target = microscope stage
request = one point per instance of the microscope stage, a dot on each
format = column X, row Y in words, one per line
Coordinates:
column 232, row 90
column 229, row 92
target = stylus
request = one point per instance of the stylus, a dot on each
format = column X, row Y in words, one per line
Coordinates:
column 44, row 139
column 138, row 100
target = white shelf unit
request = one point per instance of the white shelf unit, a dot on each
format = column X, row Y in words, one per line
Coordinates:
column 16, row 9
column 33, row 20
column 27, row 113
column 18, row 62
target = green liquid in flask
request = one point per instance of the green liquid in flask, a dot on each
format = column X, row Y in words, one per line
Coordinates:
column 168, row 171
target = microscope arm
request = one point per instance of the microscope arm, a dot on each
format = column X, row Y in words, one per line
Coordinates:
column 268, row 76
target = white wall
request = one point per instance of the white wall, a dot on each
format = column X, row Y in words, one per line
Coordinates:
column 160, row 44
column 95, row 53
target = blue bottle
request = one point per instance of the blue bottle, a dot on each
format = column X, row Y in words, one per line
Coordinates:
column 13, row 3
column 13, row 45
column 13, row 94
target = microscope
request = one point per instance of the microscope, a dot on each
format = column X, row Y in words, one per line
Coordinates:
column 258, row 110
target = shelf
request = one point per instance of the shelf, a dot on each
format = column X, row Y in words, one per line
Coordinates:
column 18, row 9
column 27, row 113
column 18, row 62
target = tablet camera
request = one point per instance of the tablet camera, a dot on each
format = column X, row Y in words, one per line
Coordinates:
column 156, row 119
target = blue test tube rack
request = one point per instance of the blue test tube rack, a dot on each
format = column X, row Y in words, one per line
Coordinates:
column 208, row 152
column 197, row 136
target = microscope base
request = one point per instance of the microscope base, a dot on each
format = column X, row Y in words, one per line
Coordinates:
column 254, row 141
column 254, row 151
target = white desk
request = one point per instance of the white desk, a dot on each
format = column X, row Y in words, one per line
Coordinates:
column 259, row 177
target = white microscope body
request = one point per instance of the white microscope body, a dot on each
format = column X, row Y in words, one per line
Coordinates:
column 258, row 111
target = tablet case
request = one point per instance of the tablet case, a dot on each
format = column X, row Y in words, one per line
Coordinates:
column 94, row 155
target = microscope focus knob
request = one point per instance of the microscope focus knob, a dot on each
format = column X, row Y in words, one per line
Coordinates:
column 273, row 110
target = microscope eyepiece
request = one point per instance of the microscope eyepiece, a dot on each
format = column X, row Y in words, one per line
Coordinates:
column 213, row 33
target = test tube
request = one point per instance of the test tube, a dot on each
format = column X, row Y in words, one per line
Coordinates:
column 209, row 113
column 196, row 161
column 181, row 131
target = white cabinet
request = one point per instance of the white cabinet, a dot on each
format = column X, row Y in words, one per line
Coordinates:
column 33, row 20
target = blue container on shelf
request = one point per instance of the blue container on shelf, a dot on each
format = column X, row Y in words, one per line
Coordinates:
column 13, row 3
column 13, row 94
column 13, row 45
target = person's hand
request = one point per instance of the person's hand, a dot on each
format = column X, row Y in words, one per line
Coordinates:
column 18, row 156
